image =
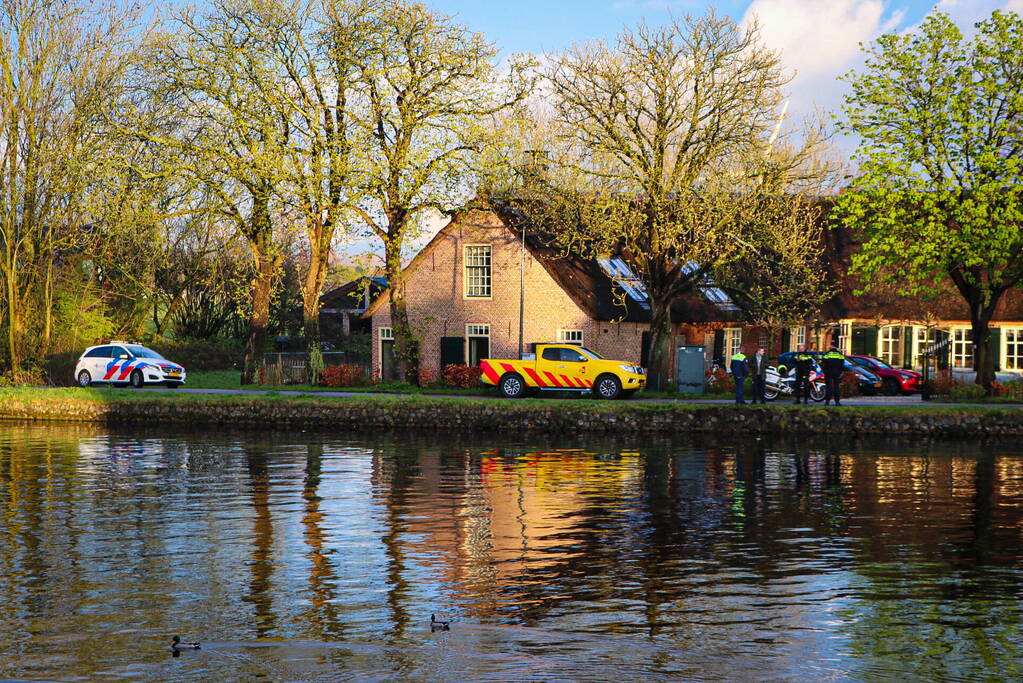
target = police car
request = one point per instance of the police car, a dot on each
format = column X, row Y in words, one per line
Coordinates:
column 126, row 363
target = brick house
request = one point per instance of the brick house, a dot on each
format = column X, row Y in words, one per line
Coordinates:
column 896, row 328
column 463, row 292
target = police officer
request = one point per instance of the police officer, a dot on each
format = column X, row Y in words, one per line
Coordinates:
column 758, row 374
column 740, row 369
column 803, row 363
column 833, row 365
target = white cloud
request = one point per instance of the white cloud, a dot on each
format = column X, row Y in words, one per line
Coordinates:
column 820, row 38
column 820, row 41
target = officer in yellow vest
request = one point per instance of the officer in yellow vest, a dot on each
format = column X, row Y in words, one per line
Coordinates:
column 803, row 363
column 740, row 369
column 833, row 365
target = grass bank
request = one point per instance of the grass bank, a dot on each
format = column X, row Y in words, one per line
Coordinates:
column 231, row 379
column 390, row 411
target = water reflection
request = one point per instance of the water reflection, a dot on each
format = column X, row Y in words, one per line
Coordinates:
column 298, row 557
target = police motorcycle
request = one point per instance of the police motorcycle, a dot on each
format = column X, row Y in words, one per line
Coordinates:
column 781, row 381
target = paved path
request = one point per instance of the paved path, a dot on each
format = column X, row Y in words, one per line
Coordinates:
column 913, row 400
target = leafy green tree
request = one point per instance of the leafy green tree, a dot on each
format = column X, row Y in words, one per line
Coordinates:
column 938, row 194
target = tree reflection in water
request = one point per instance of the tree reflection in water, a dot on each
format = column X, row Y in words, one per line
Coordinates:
column 719, row 560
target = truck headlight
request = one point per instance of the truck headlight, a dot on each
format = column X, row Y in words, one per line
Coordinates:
column 630, row 368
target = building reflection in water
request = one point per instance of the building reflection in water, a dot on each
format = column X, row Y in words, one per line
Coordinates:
column 869, row 549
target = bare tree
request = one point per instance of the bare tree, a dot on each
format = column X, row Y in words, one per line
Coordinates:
column 664, row 153
column 208, row 83
column 425, row 87
column 61, row 65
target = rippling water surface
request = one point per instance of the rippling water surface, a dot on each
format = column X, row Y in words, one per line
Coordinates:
column 297, row 557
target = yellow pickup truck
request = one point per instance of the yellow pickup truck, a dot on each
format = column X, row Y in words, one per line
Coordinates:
column 563, row 367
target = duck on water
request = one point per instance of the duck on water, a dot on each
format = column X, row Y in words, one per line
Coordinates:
column 177, row 644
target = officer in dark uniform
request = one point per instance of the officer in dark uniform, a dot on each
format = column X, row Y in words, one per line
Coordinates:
column 833, row 365
column 803, row 363
column 740, row 369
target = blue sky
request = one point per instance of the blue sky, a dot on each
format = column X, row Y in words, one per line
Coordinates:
column 550, row 25
column 818, row 39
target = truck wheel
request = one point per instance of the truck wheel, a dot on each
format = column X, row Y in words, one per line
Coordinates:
column 512, row 386
column 607, row 387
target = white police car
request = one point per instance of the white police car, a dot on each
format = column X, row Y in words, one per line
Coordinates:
column 126, row 363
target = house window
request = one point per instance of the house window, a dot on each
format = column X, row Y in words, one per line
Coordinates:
column 962, row 347
column 477, row 271
column 386, row 333
column 890, row 345
column 1012, row 354
column 733, row 342
column 922, row 340
column 797, row 336
column 477, row 343
column 570, row 337
column 843, row 337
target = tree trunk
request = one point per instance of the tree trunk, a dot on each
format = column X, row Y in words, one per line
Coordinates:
column 259, row 319
column 261, row 244
column 13, row 323
column 406, row 350
column 983, row 363
column 47, row 309
column 313, row 287
column 660, row 343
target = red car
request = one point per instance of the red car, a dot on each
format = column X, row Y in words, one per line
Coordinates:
column 896, row 380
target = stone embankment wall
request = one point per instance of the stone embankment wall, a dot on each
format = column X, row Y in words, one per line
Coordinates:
column 553, row 416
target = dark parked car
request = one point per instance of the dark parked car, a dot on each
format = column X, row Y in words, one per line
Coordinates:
column 896, row 380
column 870, row 383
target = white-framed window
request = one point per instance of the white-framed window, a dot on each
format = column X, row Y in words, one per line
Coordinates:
column 1012, row 348
column 570, row 337
column 477, row 343
column 889, row 345
column 386, row 334
column 843, row 337
column 921, row 341
column 962, row 347
column 478, row 274
column 797, row 336
column 733, row 342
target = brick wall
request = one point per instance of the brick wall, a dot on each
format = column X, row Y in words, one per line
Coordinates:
column 439, row 308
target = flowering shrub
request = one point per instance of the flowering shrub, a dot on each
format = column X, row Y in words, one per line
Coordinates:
column 462, row 376
column 1013, row 389
column 426, row 377
column 343, row 375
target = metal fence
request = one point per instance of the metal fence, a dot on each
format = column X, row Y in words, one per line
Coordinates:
column 293, row 367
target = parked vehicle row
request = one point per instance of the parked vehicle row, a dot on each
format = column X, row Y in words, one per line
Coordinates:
column 869, row 382
column 126, row 363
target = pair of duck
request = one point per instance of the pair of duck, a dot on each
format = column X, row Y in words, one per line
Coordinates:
column 178, row 645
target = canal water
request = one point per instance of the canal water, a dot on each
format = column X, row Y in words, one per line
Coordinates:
column 303, row 557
